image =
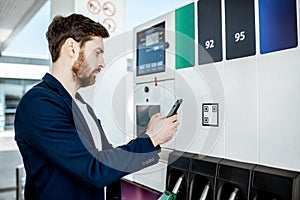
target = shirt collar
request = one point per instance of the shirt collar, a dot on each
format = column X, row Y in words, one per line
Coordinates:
column 55, row 85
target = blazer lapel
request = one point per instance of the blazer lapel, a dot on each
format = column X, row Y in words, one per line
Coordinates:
column 82, row 127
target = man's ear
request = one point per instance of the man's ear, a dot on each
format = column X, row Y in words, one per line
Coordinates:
column 70, row 47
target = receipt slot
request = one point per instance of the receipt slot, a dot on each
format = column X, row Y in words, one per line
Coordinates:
column 202, row 176
column 178, row 168
column 274, row 184
column 233, row 180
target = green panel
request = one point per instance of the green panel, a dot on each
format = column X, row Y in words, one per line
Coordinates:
column 185, row 36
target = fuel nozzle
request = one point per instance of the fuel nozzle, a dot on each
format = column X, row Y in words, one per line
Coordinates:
column 172, row 195
column 205, row 192
column 177, row 185
column 233, row 194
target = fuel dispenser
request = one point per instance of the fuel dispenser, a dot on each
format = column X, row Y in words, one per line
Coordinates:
column 202, row 177
column 274, row 184
column 178, row 171
column 233, row 180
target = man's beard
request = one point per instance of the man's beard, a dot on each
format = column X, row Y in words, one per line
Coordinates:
column 81, row 64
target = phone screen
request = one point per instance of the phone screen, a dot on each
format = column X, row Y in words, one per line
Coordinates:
column 174, row 108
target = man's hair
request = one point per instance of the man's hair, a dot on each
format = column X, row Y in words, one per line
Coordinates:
column 75, row 26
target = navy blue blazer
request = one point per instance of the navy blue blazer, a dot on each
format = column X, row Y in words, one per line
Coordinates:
column 59, row 155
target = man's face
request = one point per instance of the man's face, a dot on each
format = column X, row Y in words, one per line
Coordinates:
column 90, row 61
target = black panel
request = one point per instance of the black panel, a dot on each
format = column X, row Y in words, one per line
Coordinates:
column 274, row 184
column 234, row 175
column 204, row 167
column 240, row 28
column 209, row 31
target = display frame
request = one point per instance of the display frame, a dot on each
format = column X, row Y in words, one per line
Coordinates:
column 169, row 72
column 153, row 29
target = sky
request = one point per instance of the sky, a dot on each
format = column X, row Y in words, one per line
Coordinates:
column 31, row 41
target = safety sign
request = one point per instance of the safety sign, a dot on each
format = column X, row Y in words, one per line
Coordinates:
column 110, row 24
column 94, row 6
column 109, row 9
column 110, row 13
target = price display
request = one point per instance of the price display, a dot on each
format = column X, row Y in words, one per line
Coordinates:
column 240, row 28
column 152, row 39
column 209, row 31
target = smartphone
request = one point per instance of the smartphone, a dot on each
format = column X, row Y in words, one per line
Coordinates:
column 175, row 107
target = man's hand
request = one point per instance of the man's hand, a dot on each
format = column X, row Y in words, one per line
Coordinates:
column 161, row 129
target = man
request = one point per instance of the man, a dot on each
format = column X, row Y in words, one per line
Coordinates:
column 65, row 151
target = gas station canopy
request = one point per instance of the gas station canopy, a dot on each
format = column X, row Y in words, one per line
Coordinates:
column 14, row 15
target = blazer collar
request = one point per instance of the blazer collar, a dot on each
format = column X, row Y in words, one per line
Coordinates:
column 55, row 85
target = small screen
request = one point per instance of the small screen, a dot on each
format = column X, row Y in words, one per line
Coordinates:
column 152, row 39
column 143, row 115
column 151, row 50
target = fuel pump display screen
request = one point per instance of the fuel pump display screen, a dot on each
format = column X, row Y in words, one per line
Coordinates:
column 151, row 50
column 143, row 115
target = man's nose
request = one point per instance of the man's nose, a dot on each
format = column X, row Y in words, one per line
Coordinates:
column 102, row 64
